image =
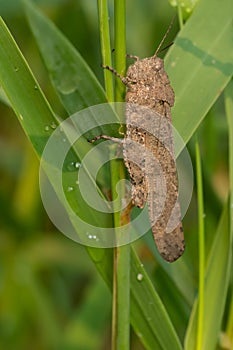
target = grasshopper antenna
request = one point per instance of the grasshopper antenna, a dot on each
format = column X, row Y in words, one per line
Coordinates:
column 165, row 35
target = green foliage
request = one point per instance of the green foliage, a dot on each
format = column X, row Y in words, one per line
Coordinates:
column 38, row 272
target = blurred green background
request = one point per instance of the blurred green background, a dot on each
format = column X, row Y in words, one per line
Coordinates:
column 51, row 296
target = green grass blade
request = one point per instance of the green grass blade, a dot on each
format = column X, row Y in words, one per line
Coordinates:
column 121, row 266
column 33, row 111
column 201, row 246
column 122, row 254
column 229, row 113
column 200, row 63
column 106, row 47
column 120, row 46
column 123, row 297
column 23, row 92
column 216, row 284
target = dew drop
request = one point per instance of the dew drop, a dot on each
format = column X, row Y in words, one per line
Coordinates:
column 67, row 87
column 72, row 166
column 77, row 165
column 46, row 128
column 53, row 125
column 70, row 189
column 16, row 69
column 35, row 87
column 139, row 277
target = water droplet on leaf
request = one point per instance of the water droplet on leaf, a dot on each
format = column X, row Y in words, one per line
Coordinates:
column 140, row 277
column 53, row 125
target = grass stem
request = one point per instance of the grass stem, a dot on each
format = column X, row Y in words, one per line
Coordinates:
column 105, row 47
column 120, row 46
column 201, row 246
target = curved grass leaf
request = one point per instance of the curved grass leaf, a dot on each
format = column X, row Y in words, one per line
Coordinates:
column 229, row 113
column 33, row 110
column 200, row 63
